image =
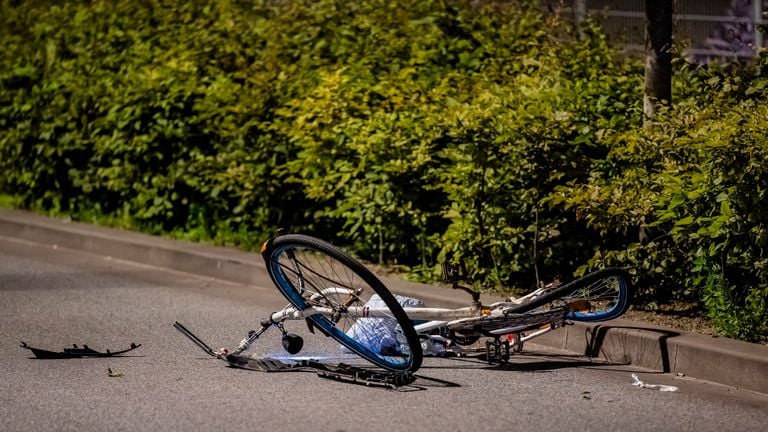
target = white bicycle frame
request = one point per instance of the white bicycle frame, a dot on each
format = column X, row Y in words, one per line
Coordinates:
column 435, row 317
column 464, row 325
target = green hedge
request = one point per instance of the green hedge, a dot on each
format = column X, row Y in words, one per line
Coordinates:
column 409, row 131
column 692, row 192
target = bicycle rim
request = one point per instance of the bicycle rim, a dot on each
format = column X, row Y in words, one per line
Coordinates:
column 311, row 272
column 599, row 296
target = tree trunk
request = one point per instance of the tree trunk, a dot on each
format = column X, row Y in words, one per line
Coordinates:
column 658, row 56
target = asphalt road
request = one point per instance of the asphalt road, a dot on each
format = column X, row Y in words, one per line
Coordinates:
column 52, row 298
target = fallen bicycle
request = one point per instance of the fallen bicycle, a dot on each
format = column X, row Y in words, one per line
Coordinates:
column 339, row 297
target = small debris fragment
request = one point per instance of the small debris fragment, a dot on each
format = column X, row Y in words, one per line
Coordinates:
column 113, row 374
column 586, row 395
column 75, row 352
column 659, row 387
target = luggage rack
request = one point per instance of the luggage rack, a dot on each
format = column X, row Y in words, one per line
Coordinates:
column 338, row 372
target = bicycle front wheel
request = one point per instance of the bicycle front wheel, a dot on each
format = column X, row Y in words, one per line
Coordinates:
column 600, row 296
column 313, row 273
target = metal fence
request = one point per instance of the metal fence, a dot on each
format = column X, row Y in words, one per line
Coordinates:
column 710, row 29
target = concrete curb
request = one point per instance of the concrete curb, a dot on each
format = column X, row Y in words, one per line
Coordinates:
column 719, row 360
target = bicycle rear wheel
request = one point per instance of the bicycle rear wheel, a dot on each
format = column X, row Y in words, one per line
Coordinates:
column 313, row 273
column 600, row 296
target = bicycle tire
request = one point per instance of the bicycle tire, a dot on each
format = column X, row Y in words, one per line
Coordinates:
column 302, row 266
column 615, row 297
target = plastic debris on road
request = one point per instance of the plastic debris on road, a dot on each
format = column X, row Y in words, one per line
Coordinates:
column 75, row 352
column 659, row 387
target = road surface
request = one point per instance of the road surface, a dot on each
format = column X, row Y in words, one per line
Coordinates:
column 52, row 298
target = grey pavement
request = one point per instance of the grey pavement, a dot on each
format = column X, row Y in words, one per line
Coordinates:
column 716, row 359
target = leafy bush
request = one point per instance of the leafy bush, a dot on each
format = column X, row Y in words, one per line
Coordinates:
column 151, row 113
column 513, row 143
column 410, row 131
column 693, row 192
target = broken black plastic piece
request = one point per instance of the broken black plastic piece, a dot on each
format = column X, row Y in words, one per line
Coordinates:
column 75, row 352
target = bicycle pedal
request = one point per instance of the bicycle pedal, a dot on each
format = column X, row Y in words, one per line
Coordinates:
column 497, row 351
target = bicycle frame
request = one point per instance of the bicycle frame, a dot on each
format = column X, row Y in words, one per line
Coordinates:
column 418, row 314
column 450, row 327
column 439, row 316
column 436, row 317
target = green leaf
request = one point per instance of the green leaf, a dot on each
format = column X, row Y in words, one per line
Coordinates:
column 725, row 209
column 684, row 221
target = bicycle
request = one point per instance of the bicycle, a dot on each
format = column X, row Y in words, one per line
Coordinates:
column 341, row 298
